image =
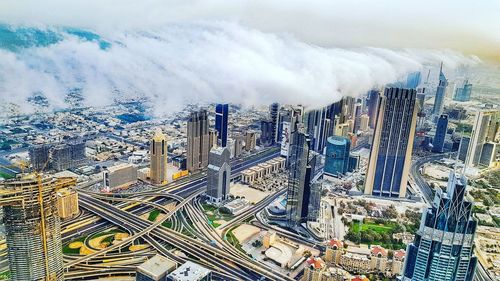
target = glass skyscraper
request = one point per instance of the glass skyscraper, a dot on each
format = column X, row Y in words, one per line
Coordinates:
column 441, row 128
column 221, row 116
column 440, row 93
column 443, row 246
column 390, row 155
column 463, row 93
column 337, row 155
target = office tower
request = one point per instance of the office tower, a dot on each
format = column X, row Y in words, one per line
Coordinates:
column 155, row 269
column 68, row 155
column 413, row 80
column 213, row 138
column 190, row 271
column 231, row 143
column 337, row 156
column 221, row 119
column 218, row 174
column 274, row 117
column 197, row 141
column 158, row 151
column 390, row 155
column 490, row 156
column 302, row 192
column 463, row 148
column 319, row 128
column 463, row 93
column 443, row 245
column 441, row 129
column 124, row 175
column 486, row 129
column 250, row 141
column 238, row 145
column 373, row 100
column 33, row 227
column 440, row 93
column 39, row 157
column 289, row 118
column 364, row 123
column 67, row 203
column 357, row 118
column 266, row 132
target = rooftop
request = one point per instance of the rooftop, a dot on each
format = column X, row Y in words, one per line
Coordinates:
column 189, row 271
column 157, row 266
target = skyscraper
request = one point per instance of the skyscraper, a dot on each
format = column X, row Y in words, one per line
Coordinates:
column 158, row 164
column 197, row 141
column 337, row 155
column 319, row 128
column 39, row 157
column 463, row 93
column 486, row 129
column 440, row 93
column 357, row 118
column 390, row 155
column 441, row 129
column 68, row 155
column 266, row 132
column 413, row 80
column 274, row 116
column 373, row 100
column 443, row 246
column 33, row 227
column 221, row 119
column 218, row 174
column 302, row 193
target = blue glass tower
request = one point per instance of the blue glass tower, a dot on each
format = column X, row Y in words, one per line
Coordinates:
column 463, row 93
column 390, row 155
column 413, row 80
column 441, row 128
column 373, row 101
column 443, row 246
column 440, row 93
column 221, row 116
column 337, row 155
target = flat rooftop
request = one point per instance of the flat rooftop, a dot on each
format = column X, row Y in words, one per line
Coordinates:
column 189, row 271
column 157, row 267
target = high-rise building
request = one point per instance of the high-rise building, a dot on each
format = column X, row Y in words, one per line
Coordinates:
column 274, row 117
column 319, row 128
column 440, row 93
column 158, row 151
column 67, row 203
column 302, row 192
column 123, row 175
column 221, row 120
column 33, row 227
column 463, row 148
column 490, row 156
column 238, row 145
column 250, row 140
column 337, row 156
column 364, row 123
column 441, row 129
column 213, row 138
column 390, row 155
column 373, row 100
column 486, row 129
column 463, row 93
column 288, row 120
column 413, row 80
column 68, row 155
column 39, row 157
column 444, row 243
column 357, row 118
column 266, row 132
column 197, row 141
column 218, row 174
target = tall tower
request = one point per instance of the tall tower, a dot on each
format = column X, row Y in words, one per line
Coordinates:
column 441, row 128
column 218, row 174
column 197, row 141
column 33, row 228
column 158, row 165
column 373, row 100
column 274, row 116
column 486, row 129
column 337, row 155
column 390, row 155
column 440, row 93
column 443, row 246
column 221, row 119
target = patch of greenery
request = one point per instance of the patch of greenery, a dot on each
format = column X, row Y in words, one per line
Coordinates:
column 5, row 275
column 233, row 241
column 5, row 175
column 153, row 215
column 68, row 251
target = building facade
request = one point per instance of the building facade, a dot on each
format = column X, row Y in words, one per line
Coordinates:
column 463, row 93
column 337, row 156
column 197, row 141
column 443, row 246
column 124, row 175
column 221, row 122
column 440, row 93
column 486, row 129
column 218, row 174
column 439, row 137
column 158, row 164
column 67, row 203
column 390, row 155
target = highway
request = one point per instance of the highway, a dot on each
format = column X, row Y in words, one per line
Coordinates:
column 421, row 183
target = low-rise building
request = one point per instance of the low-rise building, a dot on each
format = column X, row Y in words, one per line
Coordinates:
column 334, row 250
column 398, row 261
column 119, row 176
column 378, row 259
column 356, row 260
column 190, row 271
column 155, row 269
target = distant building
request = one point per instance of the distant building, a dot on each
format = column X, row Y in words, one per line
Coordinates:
column 39, row 157
column 485, row 129
column 120, row 176
column 413, row 80
column 221, row 121
column 444, row 243
column 274, row 117
column 441, row 129
column 463, row 148
column 357, row 118
column 155, row 269
column 463, row 93
column 319, row 128
column 250, row 141
column 267, row 134
column 190, row 271
column 337, row 156
column 334, row 250
column 490, row 156
column 218, row 174
column 213, row 138
column 68, row 155
column 197, row 141
column 372, row 102
column 238, row 145
column 440, row 93
column 158, row 165
column 67, row 203
column 390, row 155
column 364, row 123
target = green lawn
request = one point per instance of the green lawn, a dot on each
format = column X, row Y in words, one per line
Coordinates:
column 5, row 176
column 67, row 250
column 232, row 239
column 5, row 275
column 167, row 223
column 368, row 225
column 153, row 215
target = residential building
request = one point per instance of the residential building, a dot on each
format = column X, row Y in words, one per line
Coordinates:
column 68, row 155
column 239, row 141
column 67, row 203
column 313, row 270
column 121, row 176
column 155, row 269
column 378, row 259
column 364, row 123
column 197, row 141
column 440, row 93
column 337, row 156
column 158, row 165
column 218, row 174
column 39, row 157
column 221, row 121
column 398, row 261
column 266, row 132
column 390, row 155
column 444, row 243
column 274, row 118
column 334, row 250
column 250, row 140
column 441, row 129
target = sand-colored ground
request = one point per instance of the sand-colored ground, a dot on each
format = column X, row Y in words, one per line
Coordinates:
column 84, row 250
column 75, row 245
column 244, row 232
column 96, row 243
column 139, row 247
column 251, row 194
